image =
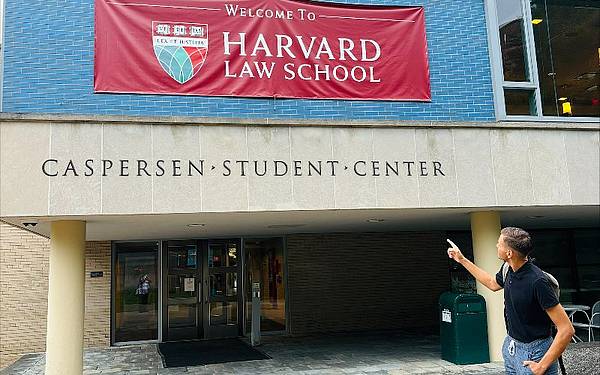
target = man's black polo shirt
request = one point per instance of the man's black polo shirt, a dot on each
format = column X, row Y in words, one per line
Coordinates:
column 527, row 294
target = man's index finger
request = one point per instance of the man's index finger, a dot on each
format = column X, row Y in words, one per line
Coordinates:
column 451, row 243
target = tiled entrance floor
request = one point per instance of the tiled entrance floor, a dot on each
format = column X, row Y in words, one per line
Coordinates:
column 338, row 354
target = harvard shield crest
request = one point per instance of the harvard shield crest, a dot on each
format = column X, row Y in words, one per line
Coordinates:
column 180, row 48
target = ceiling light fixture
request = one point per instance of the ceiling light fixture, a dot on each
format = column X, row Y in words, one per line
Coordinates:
column 279, row 226
column 193, row 225
column 586, row 76
column 535, row 216
column 374, row 220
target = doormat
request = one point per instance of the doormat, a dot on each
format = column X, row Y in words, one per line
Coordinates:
column 198, row 353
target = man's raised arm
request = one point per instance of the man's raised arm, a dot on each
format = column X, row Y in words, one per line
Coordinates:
column 483, row 277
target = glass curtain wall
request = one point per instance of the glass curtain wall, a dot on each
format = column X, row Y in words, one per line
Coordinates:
column 550, row 56
column 135, row 280
column 265, row 265
column 567, row 46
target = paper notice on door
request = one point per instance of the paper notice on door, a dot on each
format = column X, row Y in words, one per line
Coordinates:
column 188, row 284
column 446, row 316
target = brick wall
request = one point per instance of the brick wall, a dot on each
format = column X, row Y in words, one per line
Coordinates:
column 97, row 294
column 23, row 293
column 365, row 281
column 48, row 67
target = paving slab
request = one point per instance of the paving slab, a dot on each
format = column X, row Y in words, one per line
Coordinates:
column 357, row 354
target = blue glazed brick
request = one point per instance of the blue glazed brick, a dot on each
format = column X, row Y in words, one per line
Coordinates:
column 49, row 68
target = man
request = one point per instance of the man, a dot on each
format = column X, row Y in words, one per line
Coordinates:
column 530, row 306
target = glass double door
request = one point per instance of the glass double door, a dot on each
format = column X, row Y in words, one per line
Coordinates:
column 200, row 289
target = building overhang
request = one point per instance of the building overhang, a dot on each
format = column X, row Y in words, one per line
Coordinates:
column 278, row 223
column 136, row 178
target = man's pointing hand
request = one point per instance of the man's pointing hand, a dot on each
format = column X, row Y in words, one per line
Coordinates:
column 454, row 252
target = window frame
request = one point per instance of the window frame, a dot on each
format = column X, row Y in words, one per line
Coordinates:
column 499, row 85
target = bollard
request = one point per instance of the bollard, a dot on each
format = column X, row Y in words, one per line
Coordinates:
column 255, row 334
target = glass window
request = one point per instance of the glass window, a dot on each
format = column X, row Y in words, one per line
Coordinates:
column 551, row 248
column 182, row 257
column 265, row 265
column 182, row 298
column 512, row 40
column 223, row 284
column 568, row 56
column 587, row 243
column 222, row 255
column 136, row 291
column 223, row 313
column 519, row 102
column 548, row 62
column 181, row 316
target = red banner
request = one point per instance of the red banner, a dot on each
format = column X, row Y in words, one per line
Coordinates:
column 261, row 48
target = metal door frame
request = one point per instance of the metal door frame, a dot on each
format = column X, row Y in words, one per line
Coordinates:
column 216, row 332
column 204, row 330
column 198, row 274
column 202, row 246
column 113, row 260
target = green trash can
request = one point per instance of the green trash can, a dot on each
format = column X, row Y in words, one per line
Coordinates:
column 463, row 328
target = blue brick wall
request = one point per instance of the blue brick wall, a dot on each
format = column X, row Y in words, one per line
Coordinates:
column 49, row 52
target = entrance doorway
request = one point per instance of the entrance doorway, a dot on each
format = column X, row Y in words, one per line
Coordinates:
column 264, row 264
column 200, row 289
column 135, row 291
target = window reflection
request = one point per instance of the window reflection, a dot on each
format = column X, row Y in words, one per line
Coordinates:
column 182, row 288
column 223, row 313
column 265, row 265
column 512, row 40
column 568, row 56
column 136, row 291
column 223, row 284
column 587, row 243
column 519, row 102
column 182, row 257
column 182, row 316
column 222, row 255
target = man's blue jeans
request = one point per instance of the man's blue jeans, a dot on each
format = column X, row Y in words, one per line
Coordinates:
column 515, row 352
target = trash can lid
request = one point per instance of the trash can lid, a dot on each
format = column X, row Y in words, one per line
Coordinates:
column 451, row 299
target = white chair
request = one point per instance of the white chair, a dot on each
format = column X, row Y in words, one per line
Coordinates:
column 594, row 321
column 589, row 323
column 585, row 324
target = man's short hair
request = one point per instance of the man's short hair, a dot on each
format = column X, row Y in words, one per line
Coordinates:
column 517, row 239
